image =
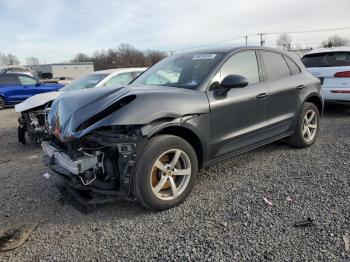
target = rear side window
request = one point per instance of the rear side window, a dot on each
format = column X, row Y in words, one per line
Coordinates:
column 275, row 66
column 244, row 64
column 294, row 68
column 330, row 59
column 136, row 74
column 8, row 80
column 119, row 80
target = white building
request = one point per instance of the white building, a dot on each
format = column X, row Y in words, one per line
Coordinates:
column 66, row 70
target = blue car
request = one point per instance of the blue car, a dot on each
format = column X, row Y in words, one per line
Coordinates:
column 15, row 88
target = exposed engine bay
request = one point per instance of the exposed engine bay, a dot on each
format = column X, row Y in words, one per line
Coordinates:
column 33, row 122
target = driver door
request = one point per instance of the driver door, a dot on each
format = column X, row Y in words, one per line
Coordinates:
column 239, row 116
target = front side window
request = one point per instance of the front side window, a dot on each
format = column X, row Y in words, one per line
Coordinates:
column 119, row 80
column 244, row 64
column 27, row 81
column 87, row 81
column 182, row 71
column 275, row 66
column 330, row 59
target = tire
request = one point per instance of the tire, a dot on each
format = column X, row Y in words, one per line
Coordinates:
column 2, row 103
column 301, row 137
column 159, row 184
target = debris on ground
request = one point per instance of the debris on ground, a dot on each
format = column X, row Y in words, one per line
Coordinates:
column 304, row 223
column 267, row 201
column 46, row 175
column 33, row 157
column 14, row 237
column 346, row 243
column 289, row 199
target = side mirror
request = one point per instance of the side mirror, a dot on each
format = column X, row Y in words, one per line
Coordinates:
column 234, row 81
column 38, row 84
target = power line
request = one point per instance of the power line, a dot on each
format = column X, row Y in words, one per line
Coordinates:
column 262, row 41
column 313, row 31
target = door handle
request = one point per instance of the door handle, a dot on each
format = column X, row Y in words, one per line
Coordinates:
column 262, row 95
column 300, row 87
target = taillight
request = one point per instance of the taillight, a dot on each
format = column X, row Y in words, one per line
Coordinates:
column 342, row 74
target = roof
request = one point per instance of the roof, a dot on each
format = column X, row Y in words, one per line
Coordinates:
column 62, row 64
column 230, row 49
column 330, row 49
column 120, row 70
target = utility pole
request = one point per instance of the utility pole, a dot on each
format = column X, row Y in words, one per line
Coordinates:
column 246, row 40
column 261, row 39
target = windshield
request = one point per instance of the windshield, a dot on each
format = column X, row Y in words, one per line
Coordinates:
column 87, row 81
column 331, row 59
column 184, row 71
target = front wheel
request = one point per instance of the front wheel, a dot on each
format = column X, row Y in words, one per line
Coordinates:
column 307, row 128
column 165, row 172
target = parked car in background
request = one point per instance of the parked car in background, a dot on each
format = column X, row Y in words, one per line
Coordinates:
column 332, row 67
column 148, row 140
column 19, row 70
column 15, row 88
column 34, row 110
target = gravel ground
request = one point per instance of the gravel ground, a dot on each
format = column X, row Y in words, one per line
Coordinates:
column 224, row 219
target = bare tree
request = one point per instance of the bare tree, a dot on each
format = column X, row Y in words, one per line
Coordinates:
column 123, row 56
column 153, row 57
column 9, row 59
column 12, row 60
column 284, row 41
column 81, row 57
column 32, row 61
column 335, row 40
column 2, row 60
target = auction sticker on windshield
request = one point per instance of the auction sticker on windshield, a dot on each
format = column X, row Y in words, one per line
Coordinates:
column 204, row 56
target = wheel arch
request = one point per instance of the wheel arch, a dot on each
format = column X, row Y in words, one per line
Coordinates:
column 188, row 135
column 317, row 100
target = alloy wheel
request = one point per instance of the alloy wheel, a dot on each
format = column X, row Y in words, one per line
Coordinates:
column 170, row 174
column 310, row 125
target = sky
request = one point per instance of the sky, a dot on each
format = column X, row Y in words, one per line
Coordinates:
column 55, row 31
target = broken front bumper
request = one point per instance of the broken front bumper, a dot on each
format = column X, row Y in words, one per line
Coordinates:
column 63, row 163
column 91, row 178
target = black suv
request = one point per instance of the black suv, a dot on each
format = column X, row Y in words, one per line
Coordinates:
column 146, row 141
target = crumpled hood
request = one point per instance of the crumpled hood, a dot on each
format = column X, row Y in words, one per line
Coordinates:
column 37, row 100
column 148, row 103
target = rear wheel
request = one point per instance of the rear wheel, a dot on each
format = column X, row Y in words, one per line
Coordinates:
column 2, row 103
column 307, row 128
column 165, row 172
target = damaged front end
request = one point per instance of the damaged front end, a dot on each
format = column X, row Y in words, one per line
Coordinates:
column 97, row 168
column 97, row 136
